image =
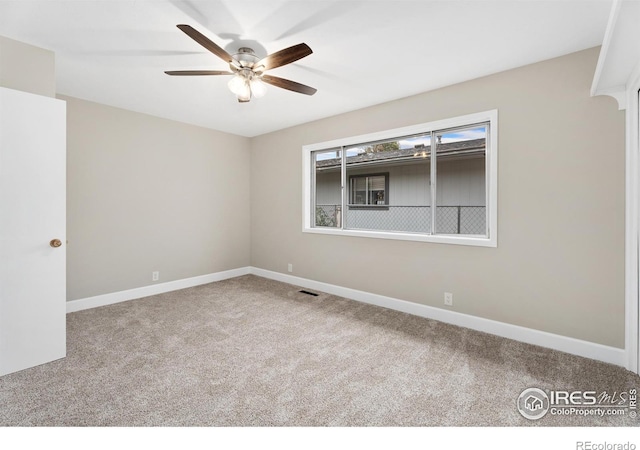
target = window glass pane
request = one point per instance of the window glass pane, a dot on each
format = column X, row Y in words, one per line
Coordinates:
column 328, row 188
column 461, row 181
column 358, row 190
column 376, row 183
column 389, row 187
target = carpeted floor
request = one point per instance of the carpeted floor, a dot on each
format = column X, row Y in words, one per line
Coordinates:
column 254, row 352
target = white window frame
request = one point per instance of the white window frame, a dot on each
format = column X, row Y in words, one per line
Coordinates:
column 491, row 171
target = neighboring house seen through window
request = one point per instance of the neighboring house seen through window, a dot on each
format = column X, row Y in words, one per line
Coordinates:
column 433, row 182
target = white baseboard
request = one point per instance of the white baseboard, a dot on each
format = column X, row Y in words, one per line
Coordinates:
column 565, row 344
column 160, row 288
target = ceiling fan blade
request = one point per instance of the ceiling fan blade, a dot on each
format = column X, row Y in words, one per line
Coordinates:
column 286, row 56
column 288, row 84
column 206, row 42
column 198, row 72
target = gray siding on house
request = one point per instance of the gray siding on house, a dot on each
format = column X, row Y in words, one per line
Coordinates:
column 409, row 185
column 328, row 188
column 460, row 182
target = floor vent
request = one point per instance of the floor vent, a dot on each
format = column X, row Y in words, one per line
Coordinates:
column 308, row 293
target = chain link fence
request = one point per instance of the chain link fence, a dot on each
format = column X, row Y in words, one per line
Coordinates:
column 461, row 220
column 410, row 219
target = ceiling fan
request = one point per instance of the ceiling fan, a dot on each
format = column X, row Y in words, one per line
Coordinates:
column 248, row 71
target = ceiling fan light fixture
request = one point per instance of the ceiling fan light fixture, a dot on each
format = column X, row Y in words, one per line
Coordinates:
column 246, row 84
column 238, row 85
column 258, row 87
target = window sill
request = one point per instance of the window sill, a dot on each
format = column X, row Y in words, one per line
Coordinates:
column 373, row 207
column 458, row 239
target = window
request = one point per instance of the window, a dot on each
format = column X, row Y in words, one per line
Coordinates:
column 434, row 182
column 368, row 190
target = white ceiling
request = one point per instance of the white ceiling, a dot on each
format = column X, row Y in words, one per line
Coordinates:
column 365, row 52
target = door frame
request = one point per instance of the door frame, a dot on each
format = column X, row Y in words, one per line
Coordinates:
column 632, row 219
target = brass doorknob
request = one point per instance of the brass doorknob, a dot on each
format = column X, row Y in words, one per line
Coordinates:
column 55, row 243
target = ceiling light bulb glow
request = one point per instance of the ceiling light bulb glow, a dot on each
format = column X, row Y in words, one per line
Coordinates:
column 239, row 86
column 258, row 87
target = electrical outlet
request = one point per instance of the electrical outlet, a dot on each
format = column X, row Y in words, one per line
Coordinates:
column 448, row 298
column 155, row 276
column 290, row 267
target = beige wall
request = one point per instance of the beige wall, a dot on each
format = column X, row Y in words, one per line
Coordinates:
column 27, row 68
column 148, row 194
column 559, row 264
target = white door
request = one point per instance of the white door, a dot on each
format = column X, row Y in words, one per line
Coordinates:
column 32, row 215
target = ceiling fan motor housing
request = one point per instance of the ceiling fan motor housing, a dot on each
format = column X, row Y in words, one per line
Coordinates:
column 246, row 57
